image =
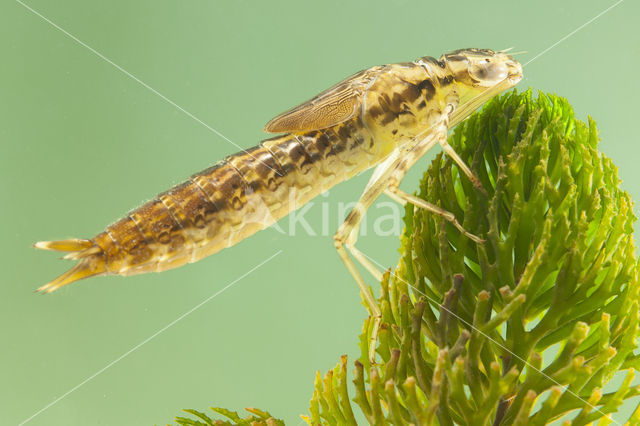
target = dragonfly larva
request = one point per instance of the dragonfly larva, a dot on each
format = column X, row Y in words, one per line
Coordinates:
column 386, row 116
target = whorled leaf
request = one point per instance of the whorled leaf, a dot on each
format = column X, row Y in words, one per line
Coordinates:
column 256, row 417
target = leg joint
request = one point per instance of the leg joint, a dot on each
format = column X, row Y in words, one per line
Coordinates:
column 393, row 184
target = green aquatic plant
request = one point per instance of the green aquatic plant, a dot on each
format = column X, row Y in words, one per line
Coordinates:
column 525, row 329
column 256, row 417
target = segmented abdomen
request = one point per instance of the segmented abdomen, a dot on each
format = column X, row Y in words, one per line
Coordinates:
column 235, row 198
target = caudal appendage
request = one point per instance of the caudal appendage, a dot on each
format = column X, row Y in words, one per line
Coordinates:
column 91, row 261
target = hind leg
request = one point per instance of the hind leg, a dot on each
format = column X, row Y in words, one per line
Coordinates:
column 345, row 238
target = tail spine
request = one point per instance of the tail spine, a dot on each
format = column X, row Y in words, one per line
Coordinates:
column 90, row 257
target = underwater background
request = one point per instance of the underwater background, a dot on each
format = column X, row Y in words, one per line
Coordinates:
column 87, row 135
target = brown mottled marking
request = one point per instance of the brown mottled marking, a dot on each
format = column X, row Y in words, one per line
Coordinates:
column 356, row 124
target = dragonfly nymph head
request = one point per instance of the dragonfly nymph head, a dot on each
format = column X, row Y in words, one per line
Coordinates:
column 482, row 67
column 479, row 74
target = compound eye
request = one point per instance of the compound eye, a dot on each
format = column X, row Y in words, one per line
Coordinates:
column 486, row 70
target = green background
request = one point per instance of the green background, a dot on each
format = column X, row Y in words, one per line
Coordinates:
column 82, row 143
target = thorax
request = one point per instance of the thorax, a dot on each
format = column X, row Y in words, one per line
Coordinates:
column 405, row 100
